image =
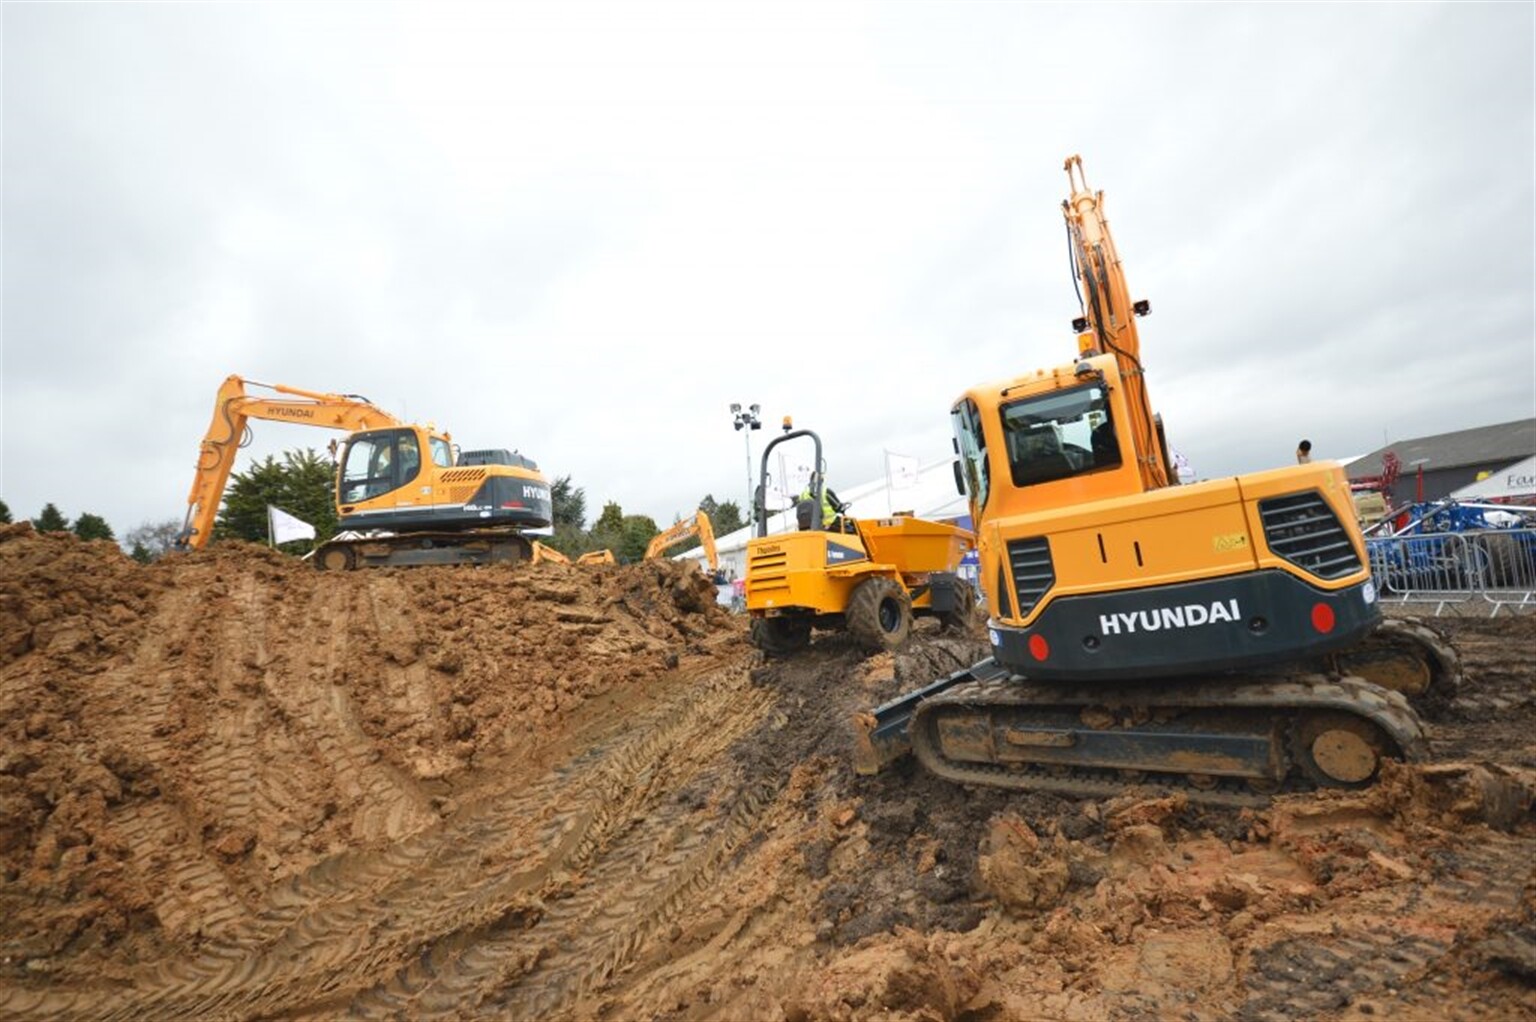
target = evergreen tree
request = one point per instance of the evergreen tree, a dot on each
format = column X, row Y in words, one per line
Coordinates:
column 89, row 526
column 611, row 521
column 5, row 513
column 570, row 504
column 726, row 518
column 303, row 485
column 50, row 520
column 150, row 541
column 635, row 534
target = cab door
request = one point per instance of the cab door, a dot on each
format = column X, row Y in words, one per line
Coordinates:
column 382, row 471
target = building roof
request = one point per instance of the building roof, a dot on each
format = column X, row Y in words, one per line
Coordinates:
column 1498, row 444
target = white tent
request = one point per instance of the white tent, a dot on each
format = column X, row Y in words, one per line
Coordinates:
column 1517, row 480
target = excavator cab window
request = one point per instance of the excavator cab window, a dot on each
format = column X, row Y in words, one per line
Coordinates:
column 1060, row 435
column 410, row 457
column 442, row 452
column 376, row 463
column 972, row 445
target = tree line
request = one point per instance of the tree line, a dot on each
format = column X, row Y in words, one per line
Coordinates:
column 303, row 483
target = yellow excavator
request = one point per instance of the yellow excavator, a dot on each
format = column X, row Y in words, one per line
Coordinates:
column 683, row 530
column 1222, row 637
column 405, row 493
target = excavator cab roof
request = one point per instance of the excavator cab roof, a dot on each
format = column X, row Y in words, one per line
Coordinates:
column 498, row 456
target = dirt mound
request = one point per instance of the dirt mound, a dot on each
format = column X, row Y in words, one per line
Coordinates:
column 176, row 738
column 235, row 787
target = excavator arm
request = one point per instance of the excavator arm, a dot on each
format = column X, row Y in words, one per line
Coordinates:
column 682, row 530
column 232, row 409
column 1108, row 323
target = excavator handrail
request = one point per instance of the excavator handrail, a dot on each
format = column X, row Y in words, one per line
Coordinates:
column 225, row 435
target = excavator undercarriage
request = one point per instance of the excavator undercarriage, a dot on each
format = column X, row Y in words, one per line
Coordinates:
column 1221, row 739
column 484, row 546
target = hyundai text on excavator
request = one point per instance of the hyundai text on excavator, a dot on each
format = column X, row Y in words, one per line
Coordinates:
column 405, row 491
column 1222, row 637
column 868, row 576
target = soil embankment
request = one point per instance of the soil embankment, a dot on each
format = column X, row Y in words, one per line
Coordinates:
column 232, row 786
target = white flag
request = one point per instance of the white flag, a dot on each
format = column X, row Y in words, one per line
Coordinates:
column 902, row 470
column 285, row 527
column 1182, row 469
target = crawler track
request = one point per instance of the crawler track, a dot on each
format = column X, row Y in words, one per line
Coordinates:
column 995, row 692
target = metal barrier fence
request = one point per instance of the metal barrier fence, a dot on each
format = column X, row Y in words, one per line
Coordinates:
column 1454, row 569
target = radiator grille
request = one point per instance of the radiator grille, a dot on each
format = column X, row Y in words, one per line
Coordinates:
column 768, row 572
column 1301, row 528
column 1033, row 573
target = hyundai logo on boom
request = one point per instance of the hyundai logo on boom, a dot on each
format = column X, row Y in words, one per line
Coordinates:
column 1190, row 615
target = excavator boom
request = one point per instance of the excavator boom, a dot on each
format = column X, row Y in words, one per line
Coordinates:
column 1108, row 324
column 232, row 410
column 682, row 530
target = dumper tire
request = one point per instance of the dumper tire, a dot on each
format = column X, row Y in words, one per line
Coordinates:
column 879, row 615
column 781, row 636
column 959, row 617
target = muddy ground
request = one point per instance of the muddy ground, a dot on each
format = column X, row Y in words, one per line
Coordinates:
column 231, row 786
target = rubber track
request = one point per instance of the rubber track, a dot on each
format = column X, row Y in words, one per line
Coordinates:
column 1446, row 670
column 1387, row 709
column 354, row 920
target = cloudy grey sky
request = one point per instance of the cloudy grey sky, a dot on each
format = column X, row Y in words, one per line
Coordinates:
column 583, row 229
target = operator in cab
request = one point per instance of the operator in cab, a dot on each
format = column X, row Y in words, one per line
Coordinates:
column 831, row 510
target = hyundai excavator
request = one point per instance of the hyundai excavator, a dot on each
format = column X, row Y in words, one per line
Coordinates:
column 1222, row 638
column 405, row 493
column 685, row 529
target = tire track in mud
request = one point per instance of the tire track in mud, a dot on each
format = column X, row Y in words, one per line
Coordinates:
column 595, row 942
column 130, row 705
column 313, row 697
column 587, row 926
column 1312, row 975
column 357, row 919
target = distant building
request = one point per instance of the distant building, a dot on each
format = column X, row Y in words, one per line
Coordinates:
column 1449, row 461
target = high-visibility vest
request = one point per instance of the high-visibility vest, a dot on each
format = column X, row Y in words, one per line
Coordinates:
column 828, row 512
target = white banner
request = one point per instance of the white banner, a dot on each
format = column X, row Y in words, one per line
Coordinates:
column 792, row 481
column 284, row 527
column 901, row 470
column 1183, row 471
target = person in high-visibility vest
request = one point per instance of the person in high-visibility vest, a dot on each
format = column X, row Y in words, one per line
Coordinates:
column 828, row 511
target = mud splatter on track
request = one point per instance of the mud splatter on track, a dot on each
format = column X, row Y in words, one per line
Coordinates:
column 233, row 787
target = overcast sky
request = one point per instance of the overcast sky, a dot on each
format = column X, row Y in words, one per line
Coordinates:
column 583, row 230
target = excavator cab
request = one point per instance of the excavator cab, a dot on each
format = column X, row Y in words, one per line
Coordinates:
column 379, row 462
